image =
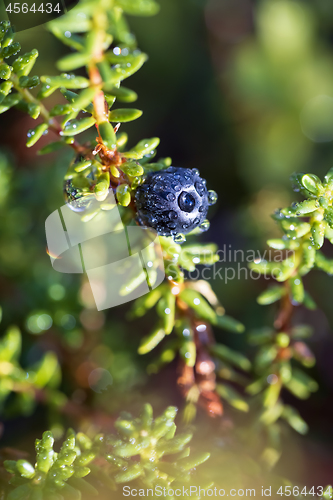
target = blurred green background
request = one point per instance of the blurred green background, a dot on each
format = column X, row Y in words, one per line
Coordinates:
column 241, row 90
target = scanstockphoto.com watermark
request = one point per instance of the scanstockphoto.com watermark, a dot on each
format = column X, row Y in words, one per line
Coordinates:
column 189, row 491
column 259, row 492
column 232, row 264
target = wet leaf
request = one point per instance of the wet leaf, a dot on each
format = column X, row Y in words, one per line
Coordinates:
column 151, row 341
column 35, row 134
column 124, row 115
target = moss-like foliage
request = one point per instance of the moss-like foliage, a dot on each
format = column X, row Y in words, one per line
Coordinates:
column 144, row 451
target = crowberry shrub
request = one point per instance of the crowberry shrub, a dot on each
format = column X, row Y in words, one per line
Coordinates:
column 174, row 202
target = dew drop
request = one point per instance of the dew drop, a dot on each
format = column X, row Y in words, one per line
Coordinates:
column 173, row 215
column 200, row 188
column 170, row 197
column 158, row 186
column 179, row 238
column 212, row 197
column 196, row 221
column 186, row 202
column 205, row 225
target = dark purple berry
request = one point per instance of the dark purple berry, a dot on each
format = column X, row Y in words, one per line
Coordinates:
column 172, row 201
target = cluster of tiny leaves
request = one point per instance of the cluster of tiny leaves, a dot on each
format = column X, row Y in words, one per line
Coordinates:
column 114, row 67
column 102, row 24
column 89, row 26
column 107, row 461
column 305, row 225
column 25, row 383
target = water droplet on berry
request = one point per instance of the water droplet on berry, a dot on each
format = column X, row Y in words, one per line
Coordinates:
column 170, row 197
column 179, row 238
column 173, row 215
column 212, row 197
column 196, row 221
column 205, row 225
column 195, row 171
column 186, row 202
column 200, row 188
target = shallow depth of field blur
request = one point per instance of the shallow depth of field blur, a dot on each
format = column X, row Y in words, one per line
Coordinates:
column 241, row 90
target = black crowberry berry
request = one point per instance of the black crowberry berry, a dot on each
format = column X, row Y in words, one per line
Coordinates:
column 174, row 201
